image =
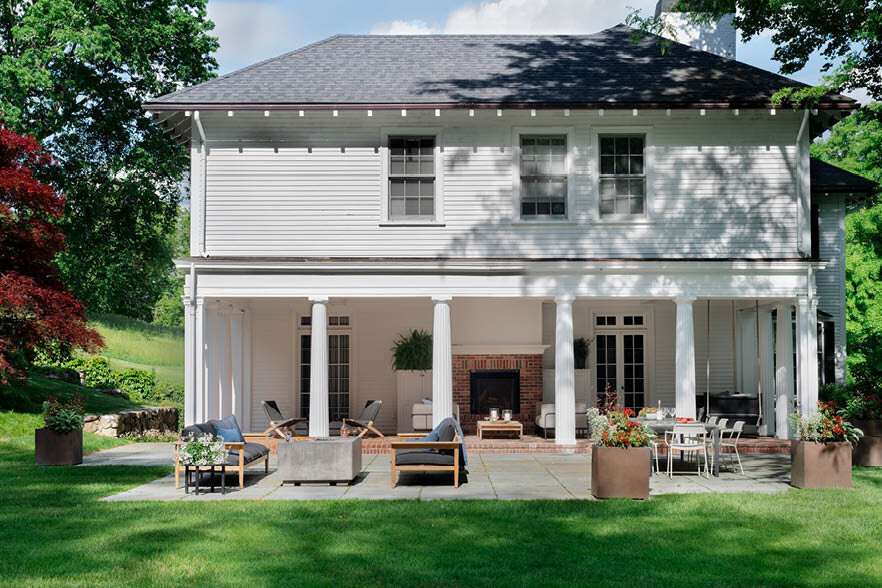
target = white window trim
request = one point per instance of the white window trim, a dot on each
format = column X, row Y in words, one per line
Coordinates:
column 649, row 167
column 572, row 151
column 385, row 133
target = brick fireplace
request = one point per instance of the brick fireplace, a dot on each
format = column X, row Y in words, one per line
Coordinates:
column 528, row 365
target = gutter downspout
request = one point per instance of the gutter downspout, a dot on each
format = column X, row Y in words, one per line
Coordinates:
column 202, row 172
column 802, row 212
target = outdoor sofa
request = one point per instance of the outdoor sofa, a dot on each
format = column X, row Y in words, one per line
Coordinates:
column 442, row 450
column 240, row 454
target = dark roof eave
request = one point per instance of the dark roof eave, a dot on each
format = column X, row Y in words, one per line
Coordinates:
column 166, row 106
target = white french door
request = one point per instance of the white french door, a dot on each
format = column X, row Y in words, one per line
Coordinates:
column 620, row 359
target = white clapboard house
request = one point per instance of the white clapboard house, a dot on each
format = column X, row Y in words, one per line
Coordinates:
column 509, row 194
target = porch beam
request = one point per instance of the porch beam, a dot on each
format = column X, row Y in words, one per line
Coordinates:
column 783, row 369
column 564, row 373
column 685, row 366
column 319, row 414
column 442, row 361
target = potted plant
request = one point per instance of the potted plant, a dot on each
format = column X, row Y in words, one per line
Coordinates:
column 865, row 412
column 581, row 346
column 821, row 454
column 620, row 458
column 412, row 352
column 60, row 442
column 412, row 363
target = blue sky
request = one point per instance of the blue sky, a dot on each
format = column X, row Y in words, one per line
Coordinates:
column 253, row 30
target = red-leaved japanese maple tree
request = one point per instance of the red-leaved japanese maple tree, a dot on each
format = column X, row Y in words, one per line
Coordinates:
column 37, row 311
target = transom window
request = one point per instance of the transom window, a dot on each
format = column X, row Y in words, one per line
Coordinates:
column 613, row 321
column 543, row 168
column 622, row 176
column 412, row 178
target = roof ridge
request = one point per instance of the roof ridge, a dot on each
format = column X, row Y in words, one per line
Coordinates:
column 250, row 67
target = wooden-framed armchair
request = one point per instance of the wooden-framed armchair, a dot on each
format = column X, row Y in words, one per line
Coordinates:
column 444, row 455
column 239, row 457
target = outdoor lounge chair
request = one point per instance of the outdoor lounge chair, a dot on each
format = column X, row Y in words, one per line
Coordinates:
column 365, row 420
column 426, row 454
column 280, row 427
column 239, row 456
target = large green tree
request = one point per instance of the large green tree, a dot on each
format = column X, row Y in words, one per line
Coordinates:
column 855, row 144
column 847, row 34
column 74, row 74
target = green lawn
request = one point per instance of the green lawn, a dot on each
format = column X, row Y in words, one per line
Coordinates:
column 129, row 343
column 53, row 532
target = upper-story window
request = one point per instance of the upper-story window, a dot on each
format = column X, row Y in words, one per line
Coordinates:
column 622, row 176
column 543, row 169
column 411, row 178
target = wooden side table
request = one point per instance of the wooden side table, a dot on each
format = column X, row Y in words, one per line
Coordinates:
column 515, row 426
column 211, row 470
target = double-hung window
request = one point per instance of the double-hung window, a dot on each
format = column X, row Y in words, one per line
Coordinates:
column 411, row 178
column 622, row 176
column 543, row 169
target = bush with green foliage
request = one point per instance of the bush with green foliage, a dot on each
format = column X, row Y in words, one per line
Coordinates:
column 138, row 384
column 64, row 416
column 413, row 352
column 97, row 368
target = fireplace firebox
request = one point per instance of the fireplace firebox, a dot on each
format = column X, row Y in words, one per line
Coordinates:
column 495, row 389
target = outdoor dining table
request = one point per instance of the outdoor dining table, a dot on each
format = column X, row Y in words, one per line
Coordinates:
column 660, row 427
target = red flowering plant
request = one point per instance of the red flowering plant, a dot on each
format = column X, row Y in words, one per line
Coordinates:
column 616, row 429
column 825, row 426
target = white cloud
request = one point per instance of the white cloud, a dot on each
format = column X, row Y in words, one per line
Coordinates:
column 403, row 27
column 249, row 31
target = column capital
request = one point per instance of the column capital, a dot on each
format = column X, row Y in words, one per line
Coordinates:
column 442, row 298
column 564, row 299
column 813, row 301
column 684, row 299
column 802, row 301
column 200, row 301
column 318, row 299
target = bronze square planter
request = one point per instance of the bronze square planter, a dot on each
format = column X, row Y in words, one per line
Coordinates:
column 617, row 472
column 54, row 448
column 868, row 451
column 820, row 465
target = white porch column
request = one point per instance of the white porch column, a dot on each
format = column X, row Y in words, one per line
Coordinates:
column 807, row 383
column 564, row 373
column 189, row 361
column 685, row 372
column 442, row 361
column 783, row 369
column 224, row 406
column 319, row 415
column 765, row 350
column 200, row 364
column 236, row 362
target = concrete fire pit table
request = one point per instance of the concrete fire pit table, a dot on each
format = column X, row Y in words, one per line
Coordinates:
column 323, row 459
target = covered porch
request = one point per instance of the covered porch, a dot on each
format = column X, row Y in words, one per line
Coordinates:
column 317, row 338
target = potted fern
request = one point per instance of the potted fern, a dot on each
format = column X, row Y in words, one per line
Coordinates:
column 412, row 362
column 60, row 442
column 581, row 347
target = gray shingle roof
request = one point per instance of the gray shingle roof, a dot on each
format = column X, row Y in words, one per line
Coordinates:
column 835, row 179
column 603, row 68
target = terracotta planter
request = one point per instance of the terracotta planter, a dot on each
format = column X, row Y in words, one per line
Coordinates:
column 53, row 448
column 868, row 451
column 620, row 473
column 820, row 465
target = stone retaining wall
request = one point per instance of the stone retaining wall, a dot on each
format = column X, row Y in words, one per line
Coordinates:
column 157, row 420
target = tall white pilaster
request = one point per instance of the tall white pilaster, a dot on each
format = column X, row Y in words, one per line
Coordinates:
column 224, row 405
column 564, row 373
column 189, row 361
column 685, row 369
column 236, row 363
column 766, row 352
column 442, row 361
column 812, row 368
column 783, row 369
column 200, row 365
column 806, row 330
column 319, row 414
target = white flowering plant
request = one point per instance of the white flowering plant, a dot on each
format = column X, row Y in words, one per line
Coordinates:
column 206, row 449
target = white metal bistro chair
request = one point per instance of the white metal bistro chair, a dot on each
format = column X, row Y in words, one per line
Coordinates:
column 687, row 439
column 729, row 438
column 712, row 420
column 722, row 424
column 655, row 446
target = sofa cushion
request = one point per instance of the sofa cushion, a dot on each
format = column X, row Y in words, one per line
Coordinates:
column 197, row 430
column 227, row 429
column 423, row 458
column 252, row 451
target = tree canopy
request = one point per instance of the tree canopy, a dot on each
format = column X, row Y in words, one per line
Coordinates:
column 36, row 309
column 847, row 34
column 74, row 75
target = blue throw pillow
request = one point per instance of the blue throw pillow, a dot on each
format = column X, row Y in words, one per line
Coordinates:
column 228, row 429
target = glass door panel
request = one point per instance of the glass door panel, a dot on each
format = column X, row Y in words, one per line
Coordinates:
column 633, row 381
column 606, row 363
